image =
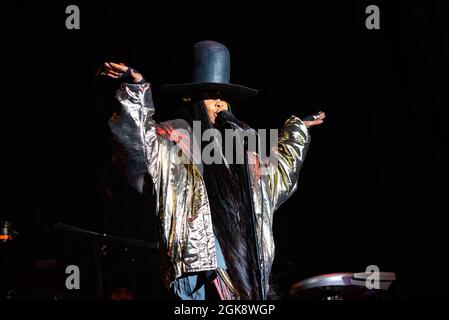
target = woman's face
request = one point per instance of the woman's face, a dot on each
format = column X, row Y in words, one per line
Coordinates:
column 213, row 107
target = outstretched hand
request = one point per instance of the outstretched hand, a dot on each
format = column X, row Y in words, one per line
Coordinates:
column 117, row 70
column 317, row 120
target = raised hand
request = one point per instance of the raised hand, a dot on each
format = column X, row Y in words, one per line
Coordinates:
column 317, row 119
column 118, row 70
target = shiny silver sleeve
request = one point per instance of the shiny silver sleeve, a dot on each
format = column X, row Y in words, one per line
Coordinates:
column 133, row 133
column 293, row 143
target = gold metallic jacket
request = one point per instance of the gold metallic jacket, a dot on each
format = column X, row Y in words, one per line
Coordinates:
column 187, row 238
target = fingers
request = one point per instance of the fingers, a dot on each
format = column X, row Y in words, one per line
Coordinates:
column 111, row 74
column 313, row 123
column 318, row 120
column 321, row 115
column 113, row 70
column 115, row 73
column 121, row 67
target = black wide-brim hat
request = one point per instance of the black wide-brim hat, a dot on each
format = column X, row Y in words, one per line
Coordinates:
column 210, row 76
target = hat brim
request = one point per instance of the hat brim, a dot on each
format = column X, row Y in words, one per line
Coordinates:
column 196, row 90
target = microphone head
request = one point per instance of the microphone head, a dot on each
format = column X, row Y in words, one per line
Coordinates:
column 223, row 117
column 226, row 117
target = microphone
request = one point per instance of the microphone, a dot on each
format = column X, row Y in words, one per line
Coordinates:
column 226, row 117
column 247, row 137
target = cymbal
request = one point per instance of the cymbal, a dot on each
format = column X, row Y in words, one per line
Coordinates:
column 344, row 285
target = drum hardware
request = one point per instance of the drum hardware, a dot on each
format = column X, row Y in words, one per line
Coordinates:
column 341, row 286
column 102, row 245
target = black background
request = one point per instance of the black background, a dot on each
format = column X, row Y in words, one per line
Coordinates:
column 373, row 187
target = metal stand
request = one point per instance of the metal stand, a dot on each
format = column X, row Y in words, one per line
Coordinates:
column 99, row 242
